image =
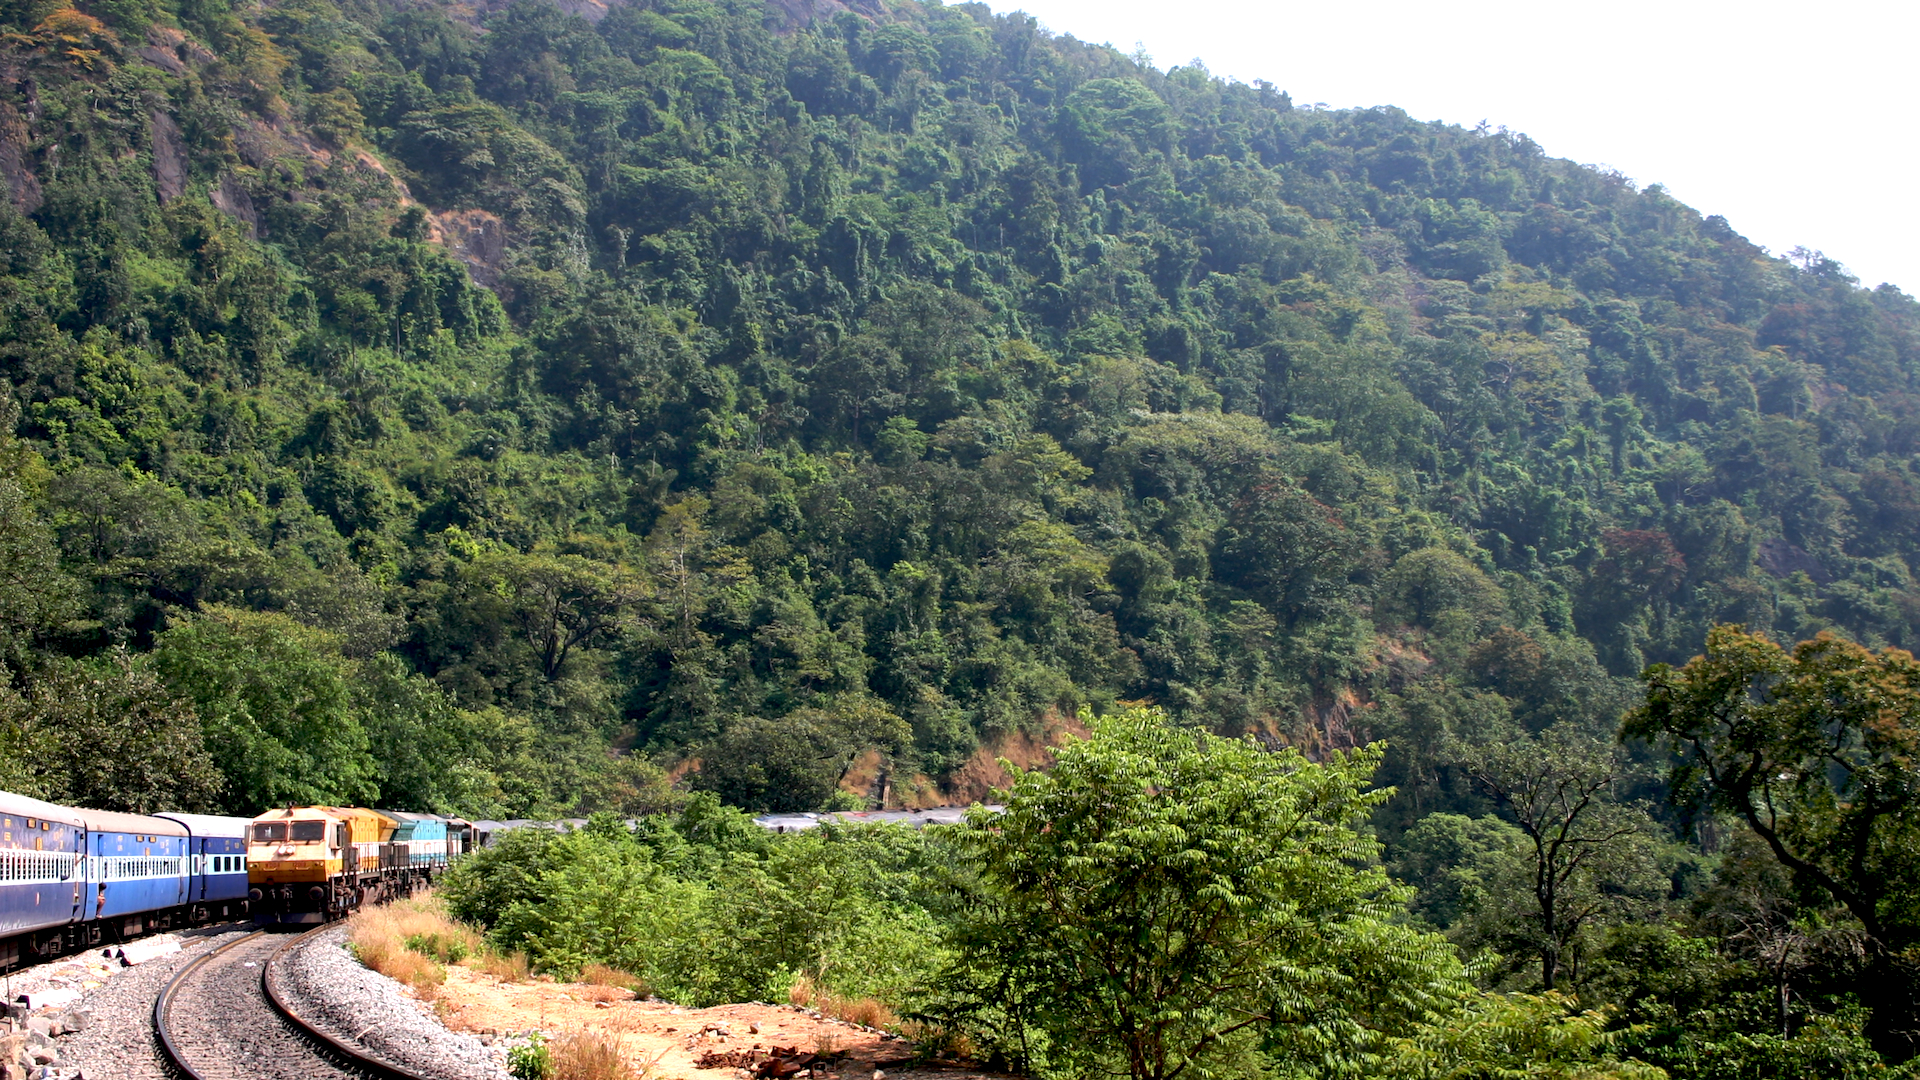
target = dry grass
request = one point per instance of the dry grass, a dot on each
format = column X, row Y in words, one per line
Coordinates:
column 939, row 1041
column 408, row 941
column 625, row 1021
column 589, row 1055
column 865, row 1011
column 602, row 975
column 511, row 967
column 423, row 973
column 611, row 984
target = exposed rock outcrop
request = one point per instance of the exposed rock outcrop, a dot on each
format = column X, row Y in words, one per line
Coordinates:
column 169, row 157
column 16, row 161
column 233, row 199
column 476, row 238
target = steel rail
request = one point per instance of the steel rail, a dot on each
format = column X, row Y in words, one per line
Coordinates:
column 163, row 1005
column 323, row 1045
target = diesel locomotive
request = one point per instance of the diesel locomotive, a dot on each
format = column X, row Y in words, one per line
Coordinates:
column 312, row 864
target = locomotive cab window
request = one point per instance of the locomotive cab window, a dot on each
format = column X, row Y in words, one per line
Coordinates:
column 309, row 831
column 268, row 832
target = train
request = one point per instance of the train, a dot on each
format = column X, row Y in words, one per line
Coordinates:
column 73, row 879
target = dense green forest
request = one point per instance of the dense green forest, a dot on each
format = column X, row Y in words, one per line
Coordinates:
column 523, row 412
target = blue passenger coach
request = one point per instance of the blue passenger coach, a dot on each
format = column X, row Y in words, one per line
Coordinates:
column 73, row 879
column 217, row 871
column 41, row 882
column 136, row 870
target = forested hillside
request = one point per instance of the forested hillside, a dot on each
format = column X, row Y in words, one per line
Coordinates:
column 430, row 402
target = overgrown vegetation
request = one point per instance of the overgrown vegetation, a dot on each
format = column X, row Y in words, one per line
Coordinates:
column 861, row 392
column 413, row 941
column 1162, row 901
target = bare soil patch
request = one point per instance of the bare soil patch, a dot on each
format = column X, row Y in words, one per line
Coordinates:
column 671, row 1042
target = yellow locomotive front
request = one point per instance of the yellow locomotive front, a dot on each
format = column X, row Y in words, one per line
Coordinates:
column 312, row 864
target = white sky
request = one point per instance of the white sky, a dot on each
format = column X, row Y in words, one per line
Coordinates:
column 1797, row 123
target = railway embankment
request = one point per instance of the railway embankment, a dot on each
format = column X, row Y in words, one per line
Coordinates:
column 335, row 993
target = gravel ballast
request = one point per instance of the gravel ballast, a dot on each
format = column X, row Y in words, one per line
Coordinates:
column 331, row 990
column 119, row 1043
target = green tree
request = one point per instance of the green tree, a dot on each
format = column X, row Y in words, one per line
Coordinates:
column 430, row 754
column 1434, row 585
column 36, row 595
column 1815, row 751
column 108, row 734
column 602, row 898
column 1163, row 901
column 24, row 744
column 1452, row 859
column 561, row 603
column 1585, row 858
column 1290, row 550
column 275, row 701
column 798, row 761
column 1510, row 1036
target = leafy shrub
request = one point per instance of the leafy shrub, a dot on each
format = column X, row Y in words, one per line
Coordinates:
column 446, row 948
column 532, row 1061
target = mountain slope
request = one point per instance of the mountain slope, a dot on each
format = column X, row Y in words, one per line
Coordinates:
column 778, row 386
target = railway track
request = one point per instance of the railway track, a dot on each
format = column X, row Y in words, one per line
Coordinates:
column 224, row 1017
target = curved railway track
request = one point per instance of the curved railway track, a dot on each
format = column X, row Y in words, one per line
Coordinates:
column 224, row 1017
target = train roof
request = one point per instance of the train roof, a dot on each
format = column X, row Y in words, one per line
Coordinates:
column 783, row 822
column 138, row 824
column 935, row 815
column 556, row 824
column 27, row 806
column 289, row 812
column 210, row 825
column 938, row 815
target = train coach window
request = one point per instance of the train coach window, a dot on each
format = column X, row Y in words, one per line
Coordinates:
column 305, row 831
column 269, row 831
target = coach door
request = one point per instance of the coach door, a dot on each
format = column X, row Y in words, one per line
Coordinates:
column 349, row 855
column 97, row 880
column 79, row 874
